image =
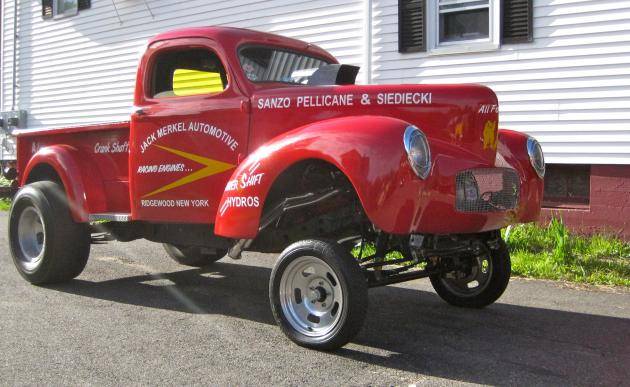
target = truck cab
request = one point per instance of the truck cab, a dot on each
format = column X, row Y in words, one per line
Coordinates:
column 193, row 117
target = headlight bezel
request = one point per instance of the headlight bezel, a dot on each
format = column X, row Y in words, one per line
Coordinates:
column 415, row 142
column 536, row 157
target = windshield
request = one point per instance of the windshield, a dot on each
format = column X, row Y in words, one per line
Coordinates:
column 267, row 64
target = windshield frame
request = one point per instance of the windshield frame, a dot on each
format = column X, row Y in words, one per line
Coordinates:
column 276, row 48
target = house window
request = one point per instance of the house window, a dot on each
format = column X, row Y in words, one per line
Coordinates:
column 457, row 26
column 463, row 21
column 65, row 7
column 463, row 25
column 567, row 186
column 55, row 9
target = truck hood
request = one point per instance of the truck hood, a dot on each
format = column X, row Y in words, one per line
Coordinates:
column 465, row 116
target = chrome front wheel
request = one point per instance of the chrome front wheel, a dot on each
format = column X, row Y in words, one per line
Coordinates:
column 318, row 294
column 311, row 296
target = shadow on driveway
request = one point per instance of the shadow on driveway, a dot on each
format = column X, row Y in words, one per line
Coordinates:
column 410, row 330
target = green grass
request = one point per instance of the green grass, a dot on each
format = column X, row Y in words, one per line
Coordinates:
column 5, row 204
column 370, row 249
column 552, row 252
column 4, row 182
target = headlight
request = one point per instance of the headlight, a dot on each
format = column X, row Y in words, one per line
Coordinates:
column 418, row 152
column 536, row 157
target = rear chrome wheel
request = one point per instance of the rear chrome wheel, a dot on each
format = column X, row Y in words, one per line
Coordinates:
column 31, row 237
column 318, row 294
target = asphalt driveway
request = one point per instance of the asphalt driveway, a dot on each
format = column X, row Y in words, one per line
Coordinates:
column 135, row 317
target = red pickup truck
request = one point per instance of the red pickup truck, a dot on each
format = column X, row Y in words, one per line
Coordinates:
column 246, row 141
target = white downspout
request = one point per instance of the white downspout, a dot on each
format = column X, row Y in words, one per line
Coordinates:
column 367, row 42
column 14, row 68
column 2, row 67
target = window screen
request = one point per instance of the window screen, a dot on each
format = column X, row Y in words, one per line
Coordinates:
column 187, row 72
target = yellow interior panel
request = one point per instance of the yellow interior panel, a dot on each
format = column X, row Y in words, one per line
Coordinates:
column 194, row 82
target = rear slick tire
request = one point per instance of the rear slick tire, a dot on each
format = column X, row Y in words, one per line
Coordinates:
column 46, row 244
column 318, row 294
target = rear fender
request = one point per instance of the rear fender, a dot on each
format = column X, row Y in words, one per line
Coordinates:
column 368, row 150
column 82, row 182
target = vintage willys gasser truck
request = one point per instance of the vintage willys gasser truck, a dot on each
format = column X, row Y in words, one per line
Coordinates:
column 246, row 141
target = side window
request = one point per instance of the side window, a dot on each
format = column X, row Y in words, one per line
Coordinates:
column 181, row 73
column 63, row 8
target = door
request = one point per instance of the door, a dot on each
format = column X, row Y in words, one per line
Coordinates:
column 188, row 133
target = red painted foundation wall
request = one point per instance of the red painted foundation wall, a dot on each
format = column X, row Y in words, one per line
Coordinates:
column 609, row 208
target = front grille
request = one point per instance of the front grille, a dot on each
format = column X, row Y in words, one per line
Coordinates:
column 487, row 190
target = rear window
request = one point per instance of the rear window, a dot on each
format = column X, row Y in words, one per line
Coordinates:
column 182, row 73
column 268, row 64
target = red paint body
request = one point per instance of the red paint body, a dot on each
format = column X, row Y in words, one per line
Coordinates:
column 363, row 137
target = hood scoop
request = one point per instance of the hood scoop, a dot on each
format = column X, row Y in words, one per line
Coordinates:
column 334, row 74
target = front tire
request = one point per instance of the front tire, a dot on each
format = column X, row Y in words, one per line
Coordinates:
column 482, row 283
column 46, row 244
column 318, row 294
column 193, row 256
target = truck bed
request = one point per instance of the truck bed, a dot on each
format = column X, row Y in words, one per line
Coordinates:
column 102, row 152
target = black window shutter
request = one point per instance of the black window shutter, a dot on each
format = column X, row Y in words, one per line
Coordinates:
column 411, row 25
column 47, row 9
column 84, row 4
column 517, row 23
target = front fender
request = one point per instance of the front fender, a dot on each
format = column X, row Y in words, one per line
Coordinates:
column 512, row 148
column 367, row 149
column 82, row 184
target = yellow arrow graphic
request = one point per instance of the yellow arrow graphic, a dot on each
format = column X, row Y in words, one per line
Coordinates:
column 212, row 167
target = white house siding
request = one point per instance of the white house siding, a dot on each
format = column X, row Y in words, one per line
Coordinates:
column 81, row 69
column 570, row 88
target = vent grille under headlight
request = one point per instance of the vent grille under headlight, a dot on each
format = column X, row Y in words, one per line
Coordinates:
column 487, row 190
